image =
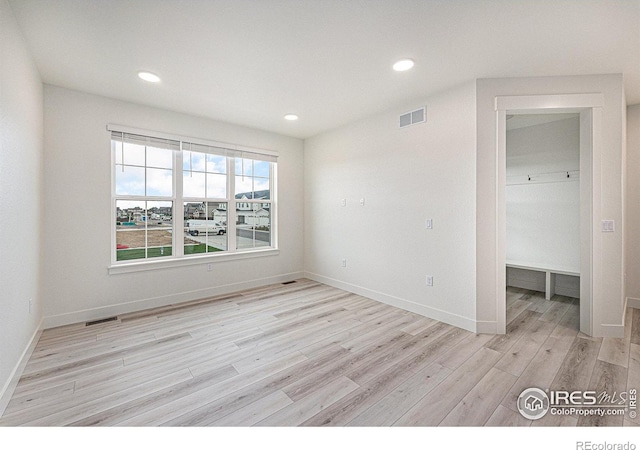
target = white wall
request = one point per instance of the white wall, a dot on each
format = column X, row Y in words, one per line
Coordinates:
column 405, row 176
column 20, row 197
column 543, row 215
column 77, row 213
column 633, row 204
column 608, row 196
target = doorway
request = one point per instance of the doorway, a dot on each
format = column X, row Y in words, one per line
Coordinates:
column 543, row 216
column 588, row 107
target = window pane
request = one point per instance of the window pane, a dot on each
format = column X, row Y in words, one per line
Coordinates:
column 193, row 184
column 261, row 169
column 244, row 166
column 133, row 154
column 130, row 230
column 216, row 164
column 244, row 187
column 216, row 186
column 194, row 181
column 253, row 226
column 143, row 229
column 132, row 178
column 159, row 157
column 261, row 188
column 129, row 180
column 193, row 161
column 159, row 182
column 205, row 227
column 159, row 229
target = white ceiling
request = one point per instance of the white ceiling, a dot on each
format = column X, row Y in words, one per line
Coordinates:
column 251, row 61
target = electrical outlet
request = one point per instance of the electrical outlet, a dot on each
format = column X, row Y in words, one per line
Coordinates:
column 429, row 280
column 362, row 201
column 608, row 226
column 344, row 263
column 344, row 202
column 209, row 267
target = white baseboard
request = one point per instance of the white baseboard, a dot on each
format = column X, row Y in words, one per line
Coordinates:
column 7, row 390
column 531, row 285
column 532, row 280
column 611, row 330
column 486, row 327
column 633, row 302
column 139, row 305
column 423, row 310
column 607, row 330
column 568, row 291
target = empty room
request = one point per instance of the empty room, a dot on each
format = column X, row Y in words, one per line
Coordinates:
column 304, row 213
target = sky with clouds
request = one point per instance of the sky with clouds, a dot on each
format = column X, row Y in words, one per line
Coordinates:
column 148, row 171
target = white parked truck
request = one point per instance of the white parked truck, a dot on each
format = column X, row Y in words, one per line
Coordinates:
column 197, row 227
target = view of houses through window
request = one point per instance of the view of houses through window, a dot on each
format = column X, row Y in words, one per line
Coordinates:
column 147, row 186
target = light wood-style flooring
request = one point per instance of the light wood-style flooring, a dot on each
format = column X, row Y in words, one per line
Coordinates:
column 308, row 354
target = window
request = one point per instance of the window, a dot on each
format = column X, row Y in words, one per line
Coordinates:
column 175, row 199
column 253, row 214
column 144, row 197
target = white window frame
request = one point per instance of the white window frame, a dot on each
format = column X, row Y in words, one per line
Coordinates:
column 178, row 259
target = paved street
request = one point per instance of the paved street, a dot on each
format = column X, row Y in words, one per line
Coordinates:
column 243, row 239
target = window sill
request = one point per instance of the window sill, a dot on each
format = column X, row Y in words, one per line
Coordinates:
column 168, row 263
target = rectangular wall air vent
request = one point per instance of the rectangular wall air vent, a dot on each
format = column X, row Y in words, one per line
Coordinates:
column 413, row 117
column 96, row 322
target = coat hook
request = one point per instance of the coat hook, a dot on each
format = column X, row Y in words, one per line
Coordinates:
column 529, row 177
column 568, row 175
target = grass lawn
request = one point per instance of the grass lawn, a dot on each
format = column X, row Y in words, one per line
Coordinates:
column 156, row 252
column 199, row 248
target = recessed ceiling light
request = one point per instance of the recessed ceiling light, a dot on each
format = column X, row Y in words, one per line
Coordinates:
column 403, row 64
column 291, row 117
column 150, row 77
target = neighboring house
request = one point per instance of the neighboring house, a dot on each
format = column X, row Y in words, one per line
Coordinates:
column 255, row 195
column 136, row 214
column 164, row 211
column 248, row 211
column 260, row 217
column 121, row 215
column 192, row 210
column 220, row 216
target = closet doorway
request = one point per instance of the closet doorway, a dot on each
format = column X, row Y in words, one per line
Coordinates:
column 543, row 217
column 587, row 108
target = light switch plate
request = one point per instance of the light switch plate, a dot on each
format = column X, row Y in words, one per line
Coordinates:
column 429, row 224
